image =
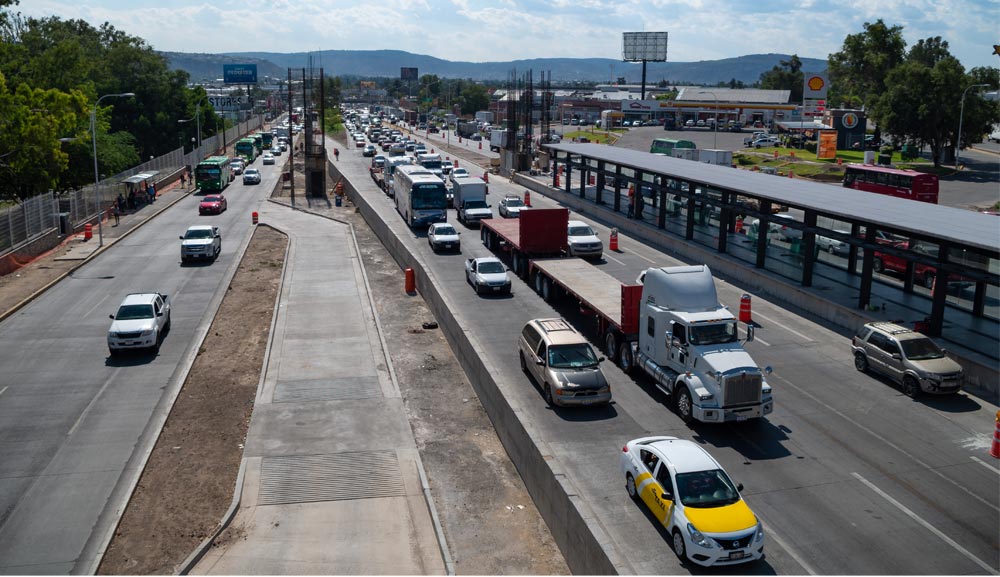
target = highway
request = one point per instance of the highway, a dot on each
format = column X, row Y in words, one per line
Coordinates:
column 848, row 475
column 75, row 425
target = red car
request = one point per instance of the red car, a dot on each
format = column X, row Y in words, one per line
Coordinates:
column 922, row 273
column 212, row 204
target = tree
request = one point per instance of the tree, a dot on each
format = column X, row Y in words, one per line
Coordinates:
column 923, row 100
column 786, row 76
column 474, row 97
column 32, row 122
column 859, row 70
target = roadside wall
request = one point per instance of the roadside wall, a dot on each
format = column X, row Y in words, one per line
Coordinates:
column 980, row 373
column 583, row 542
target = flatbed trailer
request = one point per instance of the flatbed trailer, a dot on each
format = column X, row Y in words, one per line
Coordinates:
column 536, row 233
column 615, row 304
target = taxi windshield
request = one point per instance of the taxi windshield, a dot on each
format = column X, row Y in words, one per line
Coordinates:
column 706, row 489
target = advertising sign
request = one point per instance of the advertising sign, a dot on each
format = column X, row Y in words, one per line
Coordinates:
column 228, row 102
column 827, row 148
column 814, row 86
column 648, row 46
column 239, row 73
column 407, row 73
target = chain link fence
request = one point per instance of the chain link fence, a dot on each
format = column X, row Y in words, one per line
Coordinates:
column 39, row 215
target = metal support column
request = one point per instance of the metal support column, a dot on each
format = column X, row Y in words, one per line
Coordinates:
column 661, row 219
column 599, row 195
column 940, row 292
column 724, row 218
column 808, row 248
column 865, row 294
column 618, row 188
column 763, row 227
column 689, row 229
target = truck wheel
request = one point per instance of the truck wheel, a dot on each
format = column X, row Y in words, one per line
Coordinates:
column 539, row 283
column 683, row 403
column 611, row 344
column 515, row 261
column 625, row 359
column 548, row 291
column 878, row 265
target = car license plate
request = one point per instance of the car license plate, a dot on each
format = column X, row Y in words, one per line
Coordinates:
column 736, row 555
column 496, row 289
column 740, row 418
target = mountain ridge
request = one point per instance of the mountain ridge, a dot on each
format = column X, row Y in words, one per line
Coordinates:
column 386, row 64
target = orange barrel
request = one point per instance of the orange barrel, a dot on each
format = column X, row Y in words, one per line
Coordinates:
column 613, row 240
column 745, row 309
column 486, row 177
column 527, row 198
column 253, row 215
column 555, row 181
column 88, row 231
column 592, row 180
column 411, row 282
column 995, row 447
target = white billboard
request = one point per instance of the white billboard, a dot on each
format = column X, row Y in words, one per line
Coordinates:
column 648, row 46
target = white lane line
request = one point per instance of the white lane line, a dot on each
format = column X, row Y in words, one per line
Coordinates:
column 2, row 390
column 927, row 525
column 976, row 459
column 786, row 327
column 771, row 534
column 650, row 261
column 99, row 303
column 887, row 442
column 606, row 255
column 756, row 339
column 90, row 405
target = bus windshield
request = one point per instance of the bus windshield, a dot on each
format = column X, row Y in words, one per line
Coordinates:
column 428, row 196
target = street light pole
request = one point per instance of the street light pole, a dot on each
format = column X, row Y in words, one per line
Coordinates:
column 97, row 176
column 715, row 138
column 958, row 139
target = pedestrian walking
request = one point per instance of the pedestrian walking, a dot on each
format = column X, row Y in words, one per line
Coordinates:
column 336, row 154
column 151, row 192
column 121, row 203
column 115, row 211
column 631, row 201
column 183, row 179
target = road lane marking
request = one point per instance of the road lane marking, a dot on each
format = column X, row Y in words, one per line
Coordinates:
column 786, row 327
column 927, row 525
column 887, row 442
column 770, row 533
column 99, row 303
column 90, row 405
column 606, row 255
column 976, row 459
column 650, row 261
column 2, row 390
column 757, row 339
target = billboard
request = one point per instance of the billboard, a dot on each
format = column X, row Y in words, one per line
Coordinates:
column 239, row 73
column 407, row 73
column 827, row 147
column 648, row 46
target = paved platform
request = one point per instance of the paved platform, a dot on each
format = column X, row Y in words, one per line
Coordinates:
column 332, row 481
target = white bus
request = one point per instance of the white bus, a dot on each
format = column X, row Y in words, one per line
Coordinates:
column 421, row 198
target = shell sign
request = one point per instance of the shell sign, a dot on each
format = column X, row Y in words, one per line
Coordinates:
column 815, row 86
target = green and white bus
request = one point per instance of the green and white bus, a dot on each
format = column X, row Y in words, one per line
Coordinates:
column 268, row 140
column 258, row 141
column 246, row 148
column 212, row 174
column 667, row 145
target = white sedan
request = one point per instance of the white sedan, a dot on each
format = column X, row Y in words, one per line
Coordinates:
column 268, row 158
column 688, row 492
column 442, row 235
column 487, row 275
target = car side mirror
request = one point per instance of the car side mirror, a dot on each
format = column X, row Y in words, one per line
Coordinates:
column 540, row 362
column 601, row 359
column 181, row 237
column 667, row 496
column 159, row 313
column 897, row 356
column 112, row 317
column 739, row 486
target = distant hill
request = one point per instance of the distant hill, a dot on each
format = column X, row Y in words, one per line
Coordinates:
column 386, row 63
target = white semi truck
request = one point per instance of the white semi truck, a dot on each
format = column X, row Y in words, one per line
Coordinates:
column 671, row 327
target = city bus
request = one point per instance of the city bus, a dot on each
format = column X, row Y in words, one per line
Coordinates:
column 268, row 140
column 258, row 141
column 212, row 174
column 421, row 198
column 667, row 145
column 246, row 148
column 892, row 182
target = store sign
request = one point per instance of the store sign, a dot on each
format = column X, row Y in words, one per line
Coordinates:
column 239, row 73
column 827, row 148
column 228, row 102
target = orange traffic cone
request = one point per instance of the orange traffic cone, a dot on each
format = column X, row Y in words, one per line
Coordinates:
column 745, row 309
column 527, row 198
column 613, row 240
column 995, row 447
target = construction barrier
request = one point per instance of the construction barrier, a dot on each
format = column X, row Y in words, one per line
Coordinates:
column 88, row 231
column 613, row 240
column 527, row 198
column 253, row 216
column 995, row 447
column 411, row 282
column 745, row 309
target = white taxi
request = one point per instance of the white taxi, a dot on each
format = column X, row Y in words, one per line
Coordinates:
column 688, row 492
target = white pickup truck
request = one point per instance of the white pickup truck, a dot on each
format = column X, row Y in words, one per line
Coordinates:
column 140, row 323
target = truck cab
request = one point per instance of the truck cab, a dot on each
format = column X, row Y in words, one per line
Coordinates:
column 470, row 200
column 689, row 343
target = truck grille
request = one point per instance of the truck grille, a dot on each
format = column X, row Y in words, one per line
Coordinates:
column 743, row 388
column 132, row 335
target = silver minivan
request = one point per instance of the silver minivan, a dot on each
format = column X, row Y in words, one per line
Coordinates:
column 563, row 364
column 910, row 358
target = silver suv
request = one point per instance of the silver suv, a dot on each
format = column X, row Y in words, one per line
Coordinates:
column 910, row 358
column 563, row 364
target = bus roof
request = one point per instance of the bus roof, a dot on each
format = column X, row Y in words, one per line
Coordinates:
column 215, row 160
column 887, row 169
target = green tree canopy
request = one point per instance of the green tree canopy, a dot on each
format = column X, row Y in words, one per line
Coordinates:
column 786, row 76
column 858, row 72
column 473, row 98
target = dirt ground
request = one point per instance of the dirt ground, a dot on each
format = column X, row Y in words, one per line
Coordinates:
column 188, row 482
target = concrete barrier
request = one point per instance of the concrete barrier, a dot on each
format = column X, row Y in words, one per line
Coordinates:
column 980, row 372
column 575, row 529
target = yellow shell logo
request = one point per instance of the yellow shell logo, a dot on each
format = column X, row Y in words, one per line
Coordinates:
column 816, row 83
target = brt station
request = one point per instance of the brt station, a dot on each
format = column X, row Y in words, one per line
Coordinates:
column 924, row 266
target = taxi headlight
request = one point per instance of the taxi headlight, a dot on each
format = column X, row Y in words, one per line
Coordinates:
column 759, row 535
column 698, row 539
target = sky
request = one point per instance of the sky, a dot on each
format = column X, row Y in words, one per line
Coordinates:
column 502, row 30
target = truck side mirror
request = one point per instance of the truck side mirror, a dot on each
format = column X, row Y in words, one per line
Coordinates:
column 181, row 237
column 749, row 333
column 112, row 317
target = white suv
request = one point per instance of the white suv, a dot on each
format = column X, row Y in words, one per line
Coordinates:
column 201, row 241
column 582, row 241
column 140, row 323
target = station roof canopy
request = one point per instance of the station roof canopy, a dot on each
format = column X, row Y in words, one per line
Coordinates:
column 805, row 125
column 950, row 224
column 139, row 178
column 742, row 95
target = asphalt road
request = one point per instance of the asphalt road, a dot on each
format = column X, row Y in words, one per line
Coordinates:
column 75, row 424
column 848, row 475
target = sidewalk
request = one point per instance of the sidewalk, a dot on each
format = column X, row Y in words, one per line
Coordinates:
column 331, row 480
column 21, row 286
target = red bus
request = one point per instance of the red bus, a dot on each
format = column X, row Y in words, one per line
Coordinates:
column 892, row 182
